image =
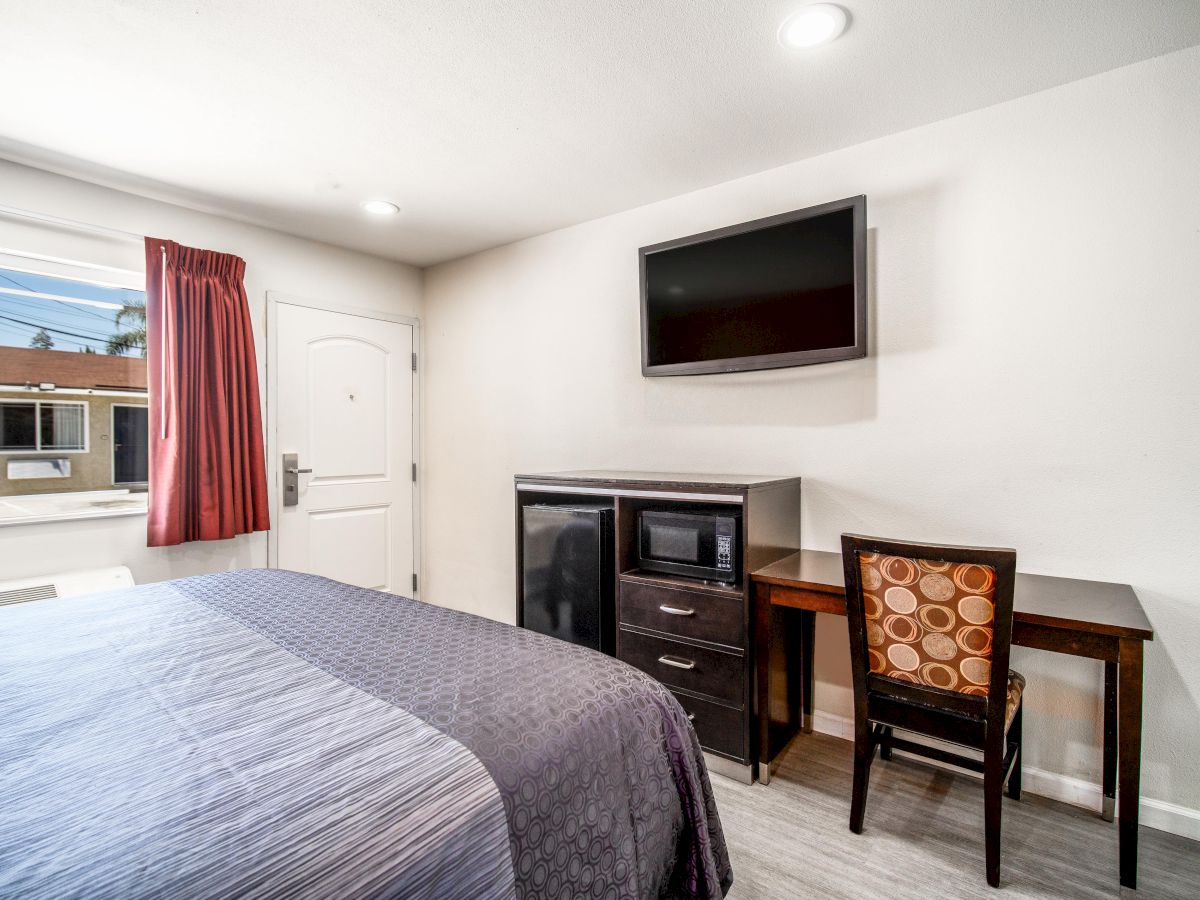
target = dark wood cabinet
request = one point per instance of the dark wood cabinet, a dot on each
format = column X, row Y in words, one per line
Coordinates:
column 696, row 637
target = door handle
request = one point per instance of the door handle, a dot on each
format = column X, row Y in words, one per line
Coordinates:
column 677, row 610
column 291, row 478
column 677, row 661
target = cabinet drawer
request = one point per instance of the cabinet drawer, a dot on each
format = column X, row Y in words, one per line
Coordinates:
column 719, row 728
column 690, row 614
column 686, row 666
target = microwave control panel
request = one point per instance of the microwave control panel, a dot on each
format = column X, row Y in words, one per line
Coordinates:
column 724, row 551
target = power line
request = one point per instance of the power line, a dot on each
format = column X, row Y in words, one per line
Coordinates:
column 73, row 307
column 57, row 341
column 54, row 330
column 93, row 341
column 42, row 315
column 25, row 334
column 23, row 287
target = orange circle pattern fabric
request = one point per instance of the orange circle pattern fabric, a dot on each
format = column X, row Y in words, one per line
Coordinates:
column 929, row 622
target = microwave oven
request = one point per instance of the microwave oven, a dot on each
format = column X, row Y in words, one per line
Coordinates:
column 701, row 543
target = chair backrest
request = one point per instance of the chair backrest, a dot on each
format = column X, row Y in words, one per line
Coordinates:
column 930, row 624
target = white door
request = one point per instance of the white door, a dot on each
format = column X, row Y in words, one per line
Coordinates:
column 344, row 400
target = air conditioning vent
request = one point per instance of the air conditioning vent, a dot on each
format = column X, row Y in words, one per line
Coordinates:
column 24, row 595
column 64, row 584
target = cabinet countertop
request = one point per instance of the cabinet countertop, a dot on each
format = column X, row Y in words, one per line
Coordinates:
column 682, row 479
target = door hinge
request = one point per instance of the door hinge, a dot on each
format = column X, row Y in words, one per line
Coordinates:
column 414, row 356
column 414, row 472
column 414, row 582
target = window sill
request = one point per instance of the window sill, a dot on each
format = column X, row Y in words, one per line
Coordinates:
column 24, row 452
column 29, row 509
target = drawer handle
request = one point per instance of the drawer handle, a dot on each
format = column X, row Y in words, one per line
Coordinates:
column 677, row 610
column 677, row 661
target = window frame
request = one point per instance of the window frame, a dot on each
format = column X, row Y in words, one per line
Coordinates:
column 38, row 403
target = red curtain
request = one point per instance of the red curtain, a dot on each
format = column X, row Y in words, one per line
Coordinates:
column 207, row 471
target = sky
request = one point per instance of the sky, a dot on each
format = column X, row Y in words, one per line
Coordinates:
column 72, row 326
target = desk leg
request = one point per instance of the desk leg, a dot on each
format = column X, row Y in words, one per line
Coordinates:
column 1109, row 808
column 763, row 624
column 1129, row 760
column 808, row 624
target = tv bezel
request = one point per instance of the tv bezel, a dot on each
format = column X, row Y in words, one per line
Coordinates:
column 857, row 350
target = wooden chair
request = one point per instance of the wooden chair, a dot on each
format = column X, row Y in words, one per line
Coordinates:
column 930, row 630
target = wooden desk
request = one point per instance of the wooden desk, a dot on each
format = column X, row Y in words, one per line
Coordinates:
column 1093, row 619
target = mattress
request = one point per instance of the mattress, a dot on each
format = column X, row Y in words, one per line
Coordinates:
column 270, row 733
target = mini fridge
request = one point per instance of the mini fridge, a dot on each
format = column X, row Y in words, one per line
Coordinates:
column 567, row 573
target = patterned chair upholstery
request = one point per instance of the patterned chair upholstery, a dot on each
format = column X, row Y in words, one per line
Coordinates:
column 929, row 622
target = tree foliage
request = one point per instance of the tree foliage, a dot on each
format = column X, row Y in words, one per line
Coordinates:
column 131, row 320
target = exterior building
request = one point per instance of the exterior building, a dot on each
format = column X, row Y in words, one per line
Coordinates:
column 71, row 422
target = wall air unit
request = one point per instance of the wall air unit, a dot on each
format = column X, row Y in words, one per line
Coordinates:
column 64, row 584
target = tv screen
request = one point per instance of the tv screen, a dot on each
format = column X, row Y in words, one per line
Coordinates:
column 789, row 290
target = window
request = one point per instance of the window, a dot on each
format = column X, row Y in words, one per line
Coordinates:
column 63, row 426
column 41, row 426
column 73, row 391
column 18, row 426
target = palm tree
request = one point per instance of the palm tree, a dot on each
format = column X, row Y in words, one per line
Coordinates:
column 42, row 340
column 133, row 317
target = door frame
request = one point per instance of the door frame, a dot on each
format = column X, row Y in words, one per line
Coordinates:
column 275, row 299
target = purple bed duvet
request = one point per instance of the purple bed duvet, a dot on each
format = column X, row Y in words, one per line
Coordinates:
column 268, row 733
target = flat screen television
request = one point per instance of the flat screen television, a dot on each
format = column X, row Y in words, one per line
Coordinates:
column 789, row 290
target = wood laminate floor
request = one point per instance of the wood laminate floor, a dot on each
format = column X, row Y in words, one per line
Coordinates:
column 923, row 837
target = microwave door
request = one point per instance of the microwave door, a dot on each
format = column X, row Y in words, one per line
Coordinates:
column 679, row 544
column 675, row 543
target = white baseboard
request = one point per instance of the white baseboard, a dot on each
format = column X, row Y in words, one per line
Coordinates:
column 837, row 726
column 1170, row 817
column 1158, row 814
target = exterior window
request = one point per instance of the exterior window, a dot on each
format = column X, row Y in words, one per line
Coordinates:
column 18, row 426
column 43, row 427
column 63, row 426
column 73, row 391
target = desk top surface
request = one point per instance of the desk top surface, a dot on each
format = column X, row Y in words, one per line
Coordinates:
column 1096, row 606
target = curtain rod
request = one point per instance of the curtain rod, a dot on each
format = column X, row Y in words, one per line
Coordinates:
column 16, row 213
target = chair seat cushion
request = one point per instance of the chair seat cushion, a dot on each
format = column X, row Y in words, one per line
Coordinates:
column 1016, row 687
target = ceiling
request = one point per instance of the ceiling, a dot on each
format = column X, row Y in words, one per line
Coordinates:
column 495, row 120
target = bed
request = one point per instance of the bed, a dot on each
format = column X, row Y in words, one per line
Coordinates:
column 271, row 733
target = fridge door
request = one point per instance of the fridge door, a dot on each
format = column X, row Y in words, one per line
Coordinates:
column 568, row 574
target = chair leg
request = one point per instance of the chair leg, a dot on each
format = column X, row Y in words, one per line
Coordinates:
column 864, row 751
column 993, row 792
column 1014, row 734
column 885, row 745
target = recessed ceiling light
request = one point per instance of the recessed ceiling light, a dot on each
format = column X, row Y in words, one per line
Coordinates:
column 380, row 207
column 813, row 26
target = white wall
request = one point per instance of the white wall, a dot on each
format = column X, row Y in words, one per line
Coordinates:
column 1034, row 379
column 274, row 262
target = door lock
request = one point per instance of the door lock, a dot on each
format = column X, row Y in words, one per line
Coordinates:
column 291, row 478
